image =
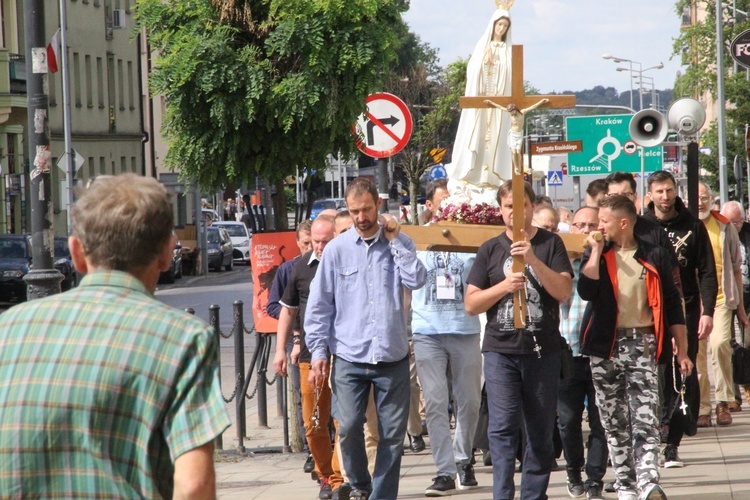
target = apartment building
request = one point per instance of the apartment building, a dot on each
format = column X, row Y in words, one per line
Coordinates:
column 105, row 102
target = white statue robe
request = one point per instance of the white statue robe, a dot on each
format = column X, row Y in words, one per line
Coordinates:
column 480, row 155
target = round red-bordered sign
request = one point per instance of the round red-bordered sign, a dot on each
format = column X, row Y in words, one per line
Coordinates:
column 385, row 128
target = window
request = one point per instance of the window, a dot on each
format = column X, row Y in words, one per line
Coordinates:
column 89, row 88
column 100, row 82
column 131, row 88
column 102, row 165
column 77, row 79
column 121, row 84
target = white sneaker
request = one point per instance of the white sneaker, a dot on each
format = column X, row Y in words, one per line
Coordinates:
column 654, row 492
column 627, row 495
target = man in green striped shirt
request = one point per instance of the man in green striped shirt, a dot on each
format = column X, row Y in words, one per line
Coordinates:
column 104, row 391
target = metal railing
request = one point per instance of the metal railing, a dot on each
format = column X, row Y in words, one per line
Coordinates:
column 243, row 380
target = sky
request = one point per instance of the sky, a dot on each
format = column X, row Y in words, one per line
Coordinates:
column 563, row 40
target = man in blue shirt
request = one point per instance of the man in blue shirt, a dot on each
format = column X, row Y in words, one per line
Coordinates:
column 446, row 339
column 356, row 312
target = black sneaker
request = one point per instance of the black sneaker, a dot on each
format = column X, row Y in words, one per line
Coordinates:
column 466, row 478
column 358, row 494
column 342, row 492
column 671, row 458
column 309, row 465
column 575, row 483
column 610, row 487
column 593, row 491
column 441, row 486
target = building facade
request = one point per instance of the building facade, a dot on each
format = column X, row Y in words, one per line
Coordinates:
column 106, row 116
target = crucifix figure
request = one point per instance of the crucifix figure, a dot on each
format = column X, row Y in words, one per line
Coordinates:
column 515, row 134
column 518, row 99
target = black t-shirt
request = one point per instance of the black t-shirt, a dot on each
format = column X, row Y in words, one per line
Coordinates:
column 297, row 292
column 493, row 262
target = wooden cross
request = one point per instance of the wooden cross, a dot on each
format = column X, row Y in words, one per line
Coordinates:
column 519, row 98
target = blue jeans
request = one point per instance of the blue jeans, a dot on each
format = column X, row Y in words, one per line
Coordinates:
column 521, row 387
column 570, row 402
column 351, row 383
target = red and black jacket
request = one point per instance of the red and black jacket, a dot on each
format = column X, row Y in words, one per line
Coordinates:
column 599, row 326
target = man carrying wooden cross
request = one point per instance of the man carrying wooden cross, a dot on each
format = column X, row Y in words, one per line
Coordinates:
column 521, row 365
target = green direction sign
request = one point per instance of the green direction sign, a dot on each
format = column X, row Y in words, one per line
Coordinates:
column 607, row 146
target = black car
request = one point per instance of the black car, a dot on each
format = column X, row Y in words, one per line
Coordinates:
column 15, row 261
column 175, row 267
column 64, row 264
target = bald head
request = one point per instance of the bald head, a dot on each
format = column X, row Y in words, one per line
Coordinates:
column 322, row 232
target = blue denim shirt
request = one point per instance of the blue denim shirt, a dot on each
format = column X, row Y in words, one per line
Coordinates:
column 356, row 306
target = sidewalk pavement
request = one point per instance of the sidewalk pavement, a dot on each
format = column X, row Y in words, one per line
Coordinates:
column 716, row 460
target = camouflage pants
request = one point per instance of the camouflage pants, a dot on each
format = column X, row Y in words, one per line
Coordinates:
column 627, row 396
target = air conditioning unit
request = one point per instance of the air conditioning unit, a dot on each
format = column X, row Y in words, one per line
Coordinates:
column 118, row 18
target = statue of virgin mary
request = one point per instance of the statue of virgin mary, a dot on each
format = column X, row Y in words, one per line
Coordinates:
column 481, row 159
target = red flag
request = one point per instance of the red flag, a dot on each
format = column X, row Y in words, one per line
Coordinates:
column 53, row 53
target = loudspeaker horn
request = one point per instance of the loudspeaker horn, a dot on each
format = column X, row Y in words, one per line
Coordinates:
column 648, row 128
column 686, row 116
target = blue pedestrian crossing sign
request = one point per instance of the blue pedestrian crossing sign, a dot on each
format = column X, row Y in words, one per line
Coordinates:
column 438, row 172
column 555, row 178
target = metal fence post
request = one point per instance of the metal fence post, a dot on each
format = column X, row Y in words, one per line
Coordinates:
column 239, row 368
column 262, row 398
column 213, row 320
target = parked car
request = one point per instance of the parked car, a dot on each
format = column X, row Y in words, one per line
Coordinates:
column 325, row 204
column 406, row 199
column 175, row 267
column 210, row 215
column 15, row 262
column 219, row 248
column 64, row 263
column 240, row 236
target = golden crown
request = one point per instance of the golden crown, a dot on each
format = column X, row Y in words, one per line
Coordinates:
column 504, row 4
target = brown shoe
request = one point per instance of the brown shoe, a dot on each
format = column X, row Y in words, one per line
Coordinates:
column 747, row 393
column 734, row 406
column 723, row 417
column 704, row 421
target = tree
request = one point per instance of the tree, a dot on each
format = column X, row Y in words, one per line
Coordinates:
column 434, row 106
column 697, row 45
column 256, row 88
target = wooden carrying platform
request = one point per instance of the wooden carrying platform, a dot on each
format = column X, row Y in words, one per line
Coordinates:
column 455, row 237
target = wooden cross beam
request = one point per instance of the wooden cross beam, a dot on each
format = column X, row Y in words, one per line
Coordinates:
column 522, row 101
column 517, row 95
column 455, row 237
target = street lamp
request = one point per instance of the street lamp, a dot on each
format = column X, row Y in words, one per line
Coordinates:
column 648, row 80
column 633, row 72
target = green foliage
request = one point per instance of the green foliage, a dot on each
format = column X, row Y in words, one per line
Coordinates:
column 697, row 47
column 257, row 87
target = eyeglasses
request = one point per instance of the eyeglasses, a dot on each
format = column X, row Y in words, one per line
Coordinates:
column 584, row 225
column 704, row 199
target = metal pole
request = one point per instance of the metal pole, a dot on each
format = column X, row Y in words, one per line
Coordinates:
column 261, row 381
column 239, row 369
column 720, row 103
column 69, row 153
column 213, row 320
column 631, row 83
column 43, row 279
column 693, row 170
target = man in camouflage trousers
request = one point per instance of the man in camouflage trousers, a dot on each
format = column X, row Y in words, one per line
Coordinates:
column 634, row 312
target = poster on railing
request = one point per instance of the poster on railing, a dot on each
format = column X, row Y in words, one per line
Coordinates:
column 269, row 251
